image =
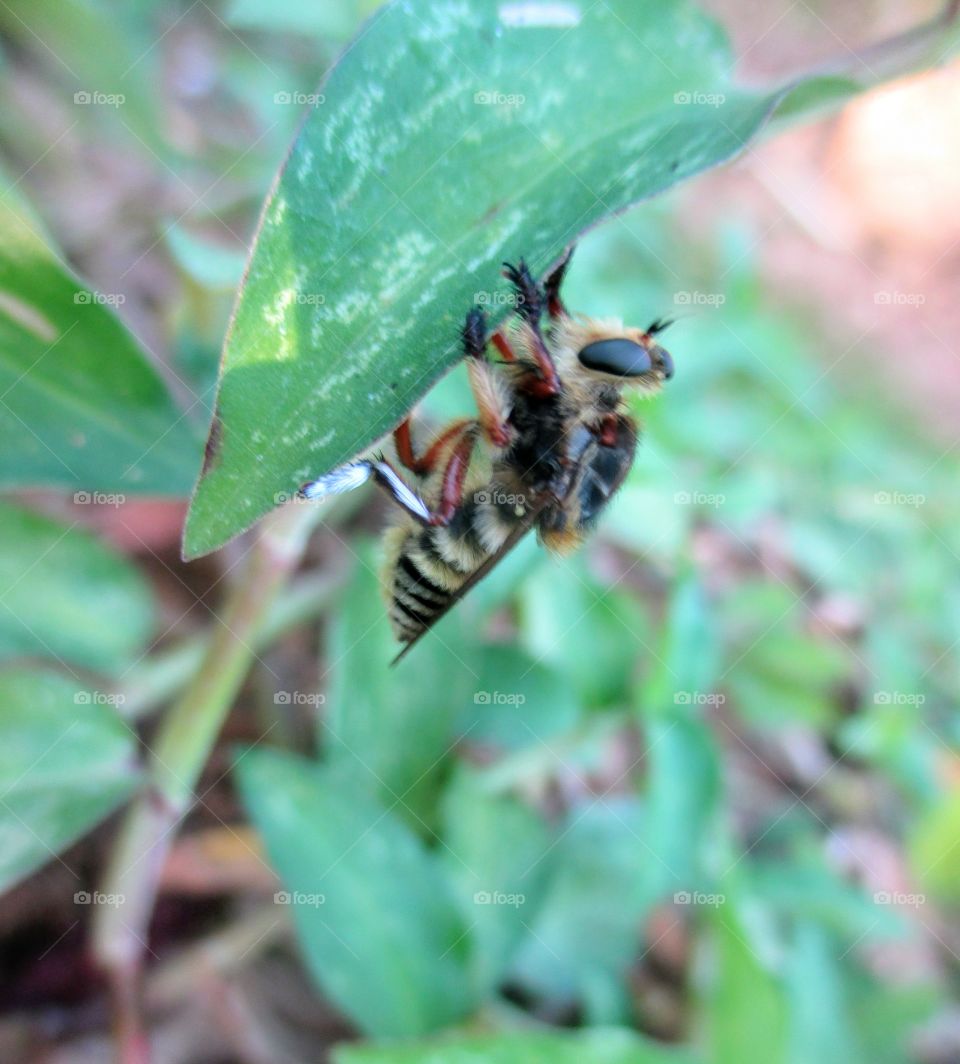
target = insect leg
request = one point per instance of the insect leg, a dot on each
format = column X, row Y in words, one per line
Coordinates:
column 426, row 462
column 454, row 477
column 530, row 309
column 551, row 286
column 490, row 396
column 350, row 476
column 403, row 443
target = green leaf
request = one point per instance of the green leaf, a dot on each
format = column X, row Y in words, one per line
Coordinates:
column 600, row 1045
column 375, row 918
column 589, row 927
column 935, row 847
column 517, row 703
column 591, row 636
column 392, row 729
column 93, row 51
column 683, row 792
column 819, row 1022
column 497, row 854
column 688, row 663
column 788, row 676
column 326, row 18
column 451, row 136
column 66, row 596
column 66, row 761
column 747, row 1006
column 207, row 262
column 81, row 406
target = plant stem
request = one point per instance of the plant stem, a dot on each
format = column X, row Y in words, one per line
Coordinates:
column 894, row 56
column 179, row 752
column 159, row 677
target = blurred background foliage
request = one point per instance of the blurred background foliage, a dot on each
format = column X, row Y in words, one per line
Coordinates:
column 690, row 795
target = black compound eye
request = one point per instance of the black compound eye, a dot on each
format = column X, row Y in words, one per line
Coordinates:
column 622, row 358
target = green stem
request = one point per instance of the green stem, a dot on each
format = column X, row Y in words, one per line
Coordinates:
column 161, row 676
column 179, row 752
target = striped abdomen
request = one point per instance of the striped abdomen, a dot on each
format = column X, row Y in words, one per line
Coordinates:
column 434, row 563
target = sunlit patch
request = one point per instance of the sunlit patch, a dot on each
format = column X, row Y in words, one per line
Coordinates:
column 28, row 317
column 531, row 13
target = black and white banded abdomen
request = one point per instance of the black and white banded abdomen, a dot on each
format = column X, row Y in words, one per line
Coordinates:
column 426, row 567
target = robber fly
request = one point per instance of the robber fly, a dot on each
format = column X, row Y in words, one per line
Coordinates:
column 550, row 445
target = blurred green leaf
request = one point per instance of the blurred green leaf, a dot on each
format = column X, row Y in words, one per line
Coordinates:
column 590, row 924
column 804, row 888
column 103, row 63
column 82, row 407
column 785, row 676
column 593, row 636
column 889, row 1018
column 322, row 360
column 497, row 854
column 66, row 762
column 596, row 1046
column 747, row 1006
column 66, row 596
column 375, row 918
column 517, row 702
column 393, row 729
column 327, row 18
column 683, row 790
column 687, row 664
column 208, row 263
column 935, row 847
column 819, row 1021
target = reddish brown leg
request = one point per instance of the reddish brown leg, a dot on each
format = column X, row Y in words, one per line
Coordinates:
column 428, row 460
column 500, row 343
column 534, row 384
column 454, row 477
column 404, row 445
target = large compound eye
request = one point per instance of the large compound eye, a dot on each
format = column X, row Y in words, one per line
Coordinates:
column 622, row 358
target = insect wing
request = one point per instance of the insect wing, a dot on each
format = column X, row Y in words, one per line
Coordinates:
column 528, row 522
